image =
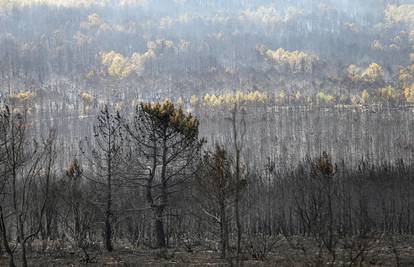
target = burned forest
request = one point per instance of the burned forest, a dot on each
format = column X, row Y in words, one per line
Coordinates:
column 206, row 133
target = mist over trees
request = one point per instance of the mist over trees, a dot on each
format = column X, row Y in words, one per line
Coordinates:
column 141, row 132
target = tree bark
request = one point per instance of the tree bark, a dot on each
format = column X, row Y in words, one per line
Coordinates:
column 237, row 196
column 224, row 231
column 108, row 214
column 108, row 232
column 22, row 240
column 4, row 239
column 159, row 228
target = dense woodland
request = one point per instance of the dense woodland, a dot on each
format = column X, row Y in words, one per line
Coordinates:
column 254, row 132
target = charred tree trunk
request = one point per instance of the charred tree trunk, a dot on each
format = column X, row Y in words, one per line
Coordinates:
column 108, row 213
column 224, row 231
column 4, row 239
column 108, row 230
column 159, row 227
column 22, row 240
column 237, row 148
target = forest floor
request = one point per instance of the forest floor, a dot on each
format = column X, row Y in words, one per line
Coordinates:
column 378, row 253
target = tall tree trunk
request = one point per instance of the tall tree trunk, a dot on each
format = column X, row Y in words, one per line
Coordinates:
column 19, row 221
column 108, row 212
column 108, row 227
column 159, row 224
column 1, row 242
column 108, row 234
column 237, row 147
column 22, row 240
column 4, row 239
column 224, row 231
column 159, row 228
column 237, row 204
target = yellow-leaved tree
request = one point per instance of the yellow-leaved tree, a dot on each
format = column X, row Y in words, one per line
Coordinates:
column 239, row 97
column 121, row 66
column 180, row 102
column 87, row 100
column 388, row 93
column 324, row 98
column 296, row 61
column 365, row 97
column 281, row 97
column 373, row 73
column 194, row 101
column 22, row 97
column 409, row 94
column 353, row 73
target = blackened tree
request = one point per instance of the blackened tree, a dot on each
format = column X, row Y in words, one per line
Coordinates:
column 166, row 147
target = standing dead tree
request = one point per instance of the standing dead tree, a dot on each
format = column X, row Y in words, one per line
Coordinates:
column 77, row 209
column 166, row 149
column 5, row 171
column 214, row 192
column 27, row 174
column 106, row 151
column 239, row 131
column 314, row 202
